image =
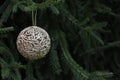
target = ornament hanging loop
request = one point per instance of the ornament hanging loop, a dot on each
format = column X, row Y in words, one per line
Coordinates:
column 34, row 18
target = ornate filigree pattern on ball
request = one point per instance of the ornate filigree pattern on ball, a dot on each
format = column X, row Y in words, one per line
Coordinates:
column 33, row 42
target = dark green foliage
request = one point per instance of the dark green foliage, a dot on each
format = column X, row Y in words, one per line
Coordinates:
column 85, row 37
column 71, row 64
column 54, row 62
column 6, row 29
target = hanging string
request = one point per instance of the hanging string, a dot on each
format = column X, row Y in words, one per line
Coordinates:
column 34, row 18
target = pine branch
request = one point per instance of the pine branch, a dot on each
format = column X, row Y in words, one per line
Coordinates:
column 72, row 64
column 54, row 9
column 6, row 13
column 6, row 30
column 103, row 74
column 37, row 70
column 17, row 75
column 29, row 72
column 77, row 70
column 54, row 62
column 73, row 19
column 33, row 6
column 4, row 50
column 4, row 6
column 109, row 45
column 47, row 4
column 5, row 72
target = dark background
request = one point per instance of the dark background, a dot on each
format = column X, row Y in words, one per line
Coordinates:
column 85, row 37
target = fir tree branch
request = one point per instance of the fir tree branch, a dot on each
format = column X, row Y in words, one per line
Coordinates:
column 70, row 17
column 17, row 74
column 47, row 4
column 5, row 4
column 109, row 45
column 54, row 62
column 6, row 29
column 34, row 6
column 38, row 72
column 6, row 13
column 29, row 71
column 103, row 74
column 6, row 50
column 77, row 70
column 72, row 64
column 16, row 65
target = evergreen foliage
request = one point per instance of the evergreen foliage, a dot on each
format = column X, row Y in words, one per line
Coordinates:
column 85, row 37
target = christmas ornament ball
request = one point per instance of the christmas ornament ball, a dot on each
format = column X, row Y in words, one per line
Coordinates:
column 33, row 42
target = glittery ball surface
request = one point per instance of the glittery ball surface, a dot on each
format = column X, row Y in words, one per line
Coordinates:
column 33, row 42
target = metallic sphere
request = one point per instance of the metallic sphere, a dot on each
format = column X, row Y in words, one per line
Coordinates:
column 33, row 42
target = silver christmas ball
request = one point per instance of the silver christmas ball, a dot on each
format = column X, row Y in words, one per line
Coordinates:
column 33, row 42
